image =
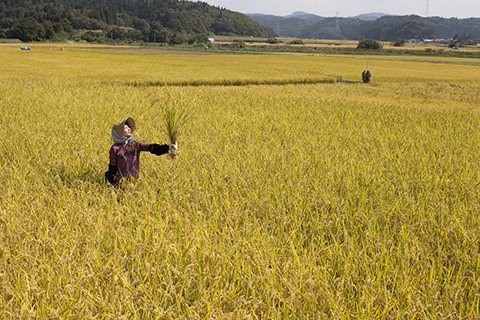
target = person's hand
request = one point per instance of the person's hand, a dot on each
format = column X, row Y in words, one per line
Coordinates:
column 173, row 147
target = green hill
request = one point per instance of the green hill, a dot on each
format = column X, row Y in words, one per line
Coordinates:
column 285, row 26
column 385, row 28
column 167, row 21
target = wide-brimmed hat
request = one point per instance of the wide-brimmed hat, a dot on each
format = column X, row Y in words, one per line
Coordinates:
column 120, row 125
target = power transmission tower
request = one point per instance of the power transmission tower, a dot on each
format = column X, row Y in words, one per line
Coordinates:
column 428, row 3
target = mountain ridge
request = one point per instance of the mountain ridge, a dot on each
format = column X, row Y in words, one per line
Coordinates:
column 375, row 25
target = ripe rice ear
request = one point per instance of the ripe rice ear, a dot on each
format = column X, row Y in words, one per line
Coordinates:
column 174, row 117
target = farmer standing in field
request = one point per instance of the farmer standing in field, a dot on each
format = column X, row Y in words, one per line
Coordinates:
column 125, row 152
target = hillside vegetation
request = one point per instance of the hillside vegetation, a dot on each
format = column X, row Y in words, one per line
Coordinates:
column 167, row 21
column 387, row 28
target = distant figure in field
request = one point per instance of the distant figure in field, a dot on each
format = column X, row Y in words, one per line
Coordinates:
column 125, row 152
column 367, row 76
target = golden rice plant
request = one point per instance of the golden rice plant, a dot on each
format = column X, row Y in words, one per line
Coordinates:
column 328, row 201
column 175, row 116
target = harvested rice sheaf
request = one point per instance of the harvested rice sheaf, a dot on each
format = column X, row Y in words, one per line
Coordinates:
column 367, row 76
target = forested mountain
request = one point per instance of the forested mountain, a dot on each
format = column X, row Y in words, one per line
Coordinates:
column 371, row 16
column 305, row 16
column 171, row 21
column 385, row 28
column 289, row 26
column 391, row 27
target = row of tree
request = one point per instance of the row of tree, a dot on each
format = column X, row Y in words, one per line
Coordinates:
column 386, row 28
column 169, row 21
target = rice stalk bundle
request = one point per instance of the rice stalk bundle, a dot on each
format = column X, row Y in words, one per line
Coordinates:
column 174, row 117
column 367, row 76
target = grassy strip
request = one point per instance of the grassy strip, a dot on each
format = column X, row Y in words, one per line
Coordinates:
column 228, row 82
column 344, row 51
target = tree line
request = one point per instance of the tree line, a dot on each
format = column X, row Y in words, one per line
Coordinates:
column 162, row 21
column 386, row 28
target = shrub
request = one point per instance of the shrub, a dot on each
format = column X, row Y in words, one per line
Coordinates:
column 273, row 40
column 399, row 42
column 238, row 44
column 297, row 42
column 177, row 38
column 369, row 44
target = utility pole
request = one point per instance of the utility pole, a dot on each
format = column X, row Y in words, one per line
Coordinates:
column 337, row 25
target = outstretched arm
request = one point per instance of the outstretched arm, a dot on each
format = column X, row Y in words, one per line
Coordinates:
column 158, row 149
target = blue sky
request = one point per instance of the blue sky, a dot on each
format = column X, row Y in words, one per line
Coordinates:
column 347, row 8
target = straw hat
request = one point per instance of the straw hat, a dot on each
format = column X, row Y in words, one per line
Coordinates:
column 120, row 125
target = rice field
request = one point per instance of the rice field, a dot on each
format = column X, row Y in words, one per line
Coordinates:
column 299, row 193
